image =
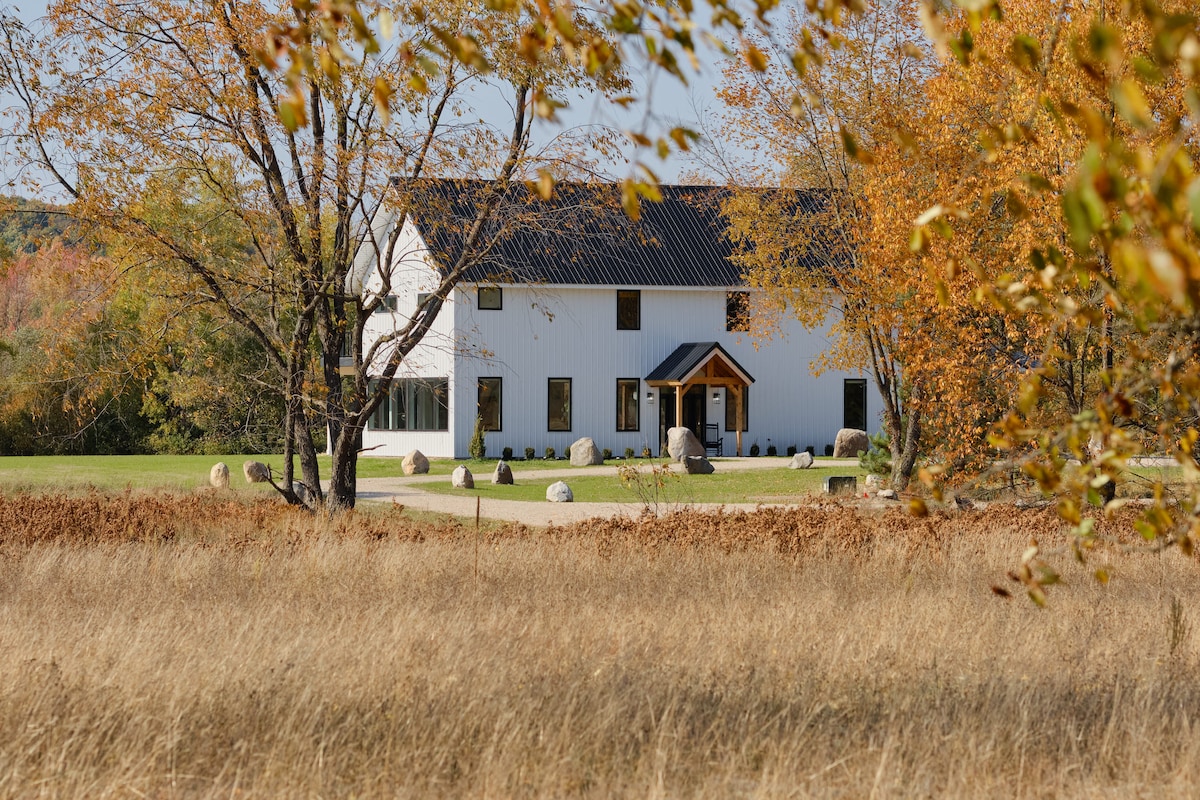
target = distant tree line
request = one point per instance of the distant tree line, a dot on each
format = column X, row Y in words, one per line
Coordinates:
column 99, row 360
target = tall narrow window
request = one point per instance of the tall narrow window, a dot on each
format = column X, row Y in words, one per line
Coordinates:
column 629, row 310
column 737, row 311
column 731, row 409
column 558, row 405
column 489, row 403
column 854, row 404
column 627, row 404
column 490, row 298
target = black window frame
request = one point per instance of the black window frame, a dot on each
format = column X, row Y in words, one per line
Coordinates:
column 637, row 408
column 402, row 404
column 550, row 420
column 737, row 311
column 635, row 297
column 860, row 387
column 499, row 306
column 499, row 394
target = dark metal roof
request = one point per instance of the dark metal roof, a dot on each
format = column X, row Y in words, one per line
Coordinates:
column 687, row 358
column 582, row 235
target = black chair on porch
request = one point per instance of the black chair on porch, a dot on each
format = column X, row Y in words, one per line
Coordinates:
column 714, row 444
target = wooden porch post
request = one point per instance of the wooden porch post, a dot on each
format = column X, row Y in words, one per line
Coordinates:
column 679, row 391
column 737, row 393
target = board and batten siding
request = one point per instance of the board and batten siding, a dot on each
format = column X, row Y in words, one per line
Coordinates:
column 434, row 357
column 571, row 332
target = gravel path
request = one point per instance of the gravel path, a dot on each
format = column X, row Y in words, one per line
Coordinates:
column 407, row 491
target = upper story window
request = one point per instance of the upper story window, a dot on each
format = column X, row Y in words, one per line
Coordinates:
column 387, row 304
column 491, row 298
column 737, row 311
column 629, row 310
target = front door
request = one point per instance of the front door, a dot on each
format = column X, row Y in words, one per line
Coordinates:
column 695, row 413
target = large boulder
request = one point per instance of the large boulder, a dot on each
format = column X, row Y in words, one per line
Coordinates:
column 559, row 492
column 502, row 474
column 681, row 443
column 801, row 461
column 698, row 465
column 415, row 463
column 462, row 478
column 218, row 476
column 850, row 442
column 256, row 472
column 584, row 453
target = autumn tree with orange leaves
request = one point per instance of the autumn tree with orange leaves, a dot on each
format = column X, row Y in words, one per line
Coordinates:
column 171, row 131
column 815, row 131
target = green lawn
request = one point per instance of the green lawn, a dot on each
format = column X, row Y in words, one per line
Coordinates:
column 190, row 472
column 729, row 486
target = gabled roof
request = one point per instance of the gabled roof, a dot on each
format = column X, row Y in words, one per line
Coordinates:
column 583, row 237
column 688, row 359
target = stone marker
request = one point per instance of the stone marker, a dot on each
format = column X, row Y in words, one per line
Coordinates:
column 256, row 472
column 888, row 494
column 681, row 443
column 218, row 476
column 850, row 442
column 503, row 474
column 462, row 478
column 584, row 453
column 698, row 465
column 841, row 484
column 559, row 493
column 801, row 461
column 874, row 481
column 301, row 491
column 415, row 463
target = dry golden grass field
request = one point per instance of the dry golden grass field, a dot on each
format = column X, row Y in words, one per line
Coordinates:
column 179, row 646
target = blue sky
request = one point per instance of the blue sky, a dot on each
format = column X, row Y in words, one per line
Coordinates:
column 667, row 103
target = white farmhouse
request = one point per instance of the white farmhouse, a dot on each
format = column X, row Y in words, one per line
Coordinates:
column 579, row 322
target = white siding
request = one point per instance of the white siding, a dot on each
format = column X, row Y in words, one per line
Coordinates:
column 432, row 358
column 570, row 332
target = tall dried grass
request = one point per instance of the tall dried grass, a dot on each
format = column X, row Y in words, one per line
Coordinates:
column 158, row 646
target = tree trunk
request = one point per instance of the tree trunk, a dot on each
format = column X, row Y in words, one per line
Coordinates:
column 343, row 474
column 904, row 460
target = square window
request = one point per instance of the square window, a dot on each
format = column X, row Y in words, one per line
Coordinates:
column 629, row 310
column 737, row 311
column 627, row 404
column 490, row 298
column 387, row 304
column 558, row 404
column 422, row 297
column 489, row 402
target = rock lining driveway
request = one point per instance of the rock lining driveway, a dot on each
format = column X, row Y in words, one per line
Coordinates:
column 407, row 491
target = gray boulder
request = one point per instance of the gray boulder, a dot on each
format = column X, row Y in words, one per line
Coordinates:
column 801, row 461
column 850, row 442
column 301, row 492
column 502, row 474
column 584, row 453
column 256, row 472
column 681, row 443
column 462, row 478
column 698, row 465
column 218, row 476
column 559, row 493
column 888, row 494
column 415, row 463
